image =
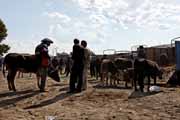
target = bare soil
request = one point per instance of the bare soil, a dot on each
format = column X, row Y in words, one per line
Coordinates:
column 96, row 103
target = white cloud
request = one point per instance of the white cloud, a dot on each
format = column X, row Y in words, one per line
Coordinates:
column 96, row 18
column 90, row 27
column 57, row 15
column 142, row 13
column 51, row 29
column 21, row 47
column 164, row 26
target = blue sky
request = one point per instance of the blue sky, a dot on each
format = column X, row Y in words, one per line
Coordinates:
column 105, row 24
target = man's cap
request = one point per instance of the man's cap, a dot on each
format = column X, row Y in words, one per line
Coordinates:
column 46, row 40
column 141, row 47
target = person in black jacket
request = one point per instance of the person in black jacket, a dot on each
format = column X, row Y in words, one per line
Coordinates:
column 77, row 68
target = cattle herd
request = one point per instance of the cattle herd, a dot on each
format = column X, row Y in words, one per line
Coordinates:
column 110, row 71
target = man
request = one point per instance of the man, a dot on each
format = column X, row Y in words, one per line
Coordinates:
column 77, row 68
column 86, row 62
column 141, row 57
column 42, row 54
column 141, row 52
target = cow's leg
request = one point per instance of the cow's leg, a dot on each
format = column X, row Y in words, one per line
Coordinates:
column 22, row 75
column 154, row 80
column 102, row 79
column 13, row 79
column 111, row 80
column 126, row 84
column 118, row 81
column 149, row 82
column 8, row 80
column 115, row 79
column 107, row 76
column 134, row 81
column 38, row 80
column 96, row 76
column 141, row 82
column 101, row 76
column 30, row 75
column 18, row 76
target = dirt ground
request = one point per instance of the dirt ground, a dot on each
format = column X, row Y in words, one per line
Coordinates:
column 97, row 103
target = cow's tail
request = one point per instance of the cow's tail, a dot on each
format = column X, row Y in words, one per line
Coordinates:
column 4, row 67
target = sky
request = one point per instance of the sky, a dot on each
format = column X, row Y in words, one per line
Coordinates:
column 104, row 24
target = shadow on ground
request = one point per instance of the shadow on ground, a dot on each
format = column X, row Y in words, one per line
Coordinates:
column 50, row 101
column 9, row 93
column 111, row 87
column 139, row 94
column 26, row 94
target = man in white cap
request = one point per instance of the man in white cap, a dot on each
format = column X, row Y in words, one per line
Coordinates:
column 41, row 53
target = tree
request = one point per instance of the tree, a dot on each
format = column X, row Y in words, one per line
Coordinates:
column 3, row 49
column 3, row 34
column 3, row 31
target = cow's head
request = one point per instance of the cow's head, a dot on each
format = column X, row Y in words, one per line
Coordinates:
column 160, row 73
column 54, row 74
column 53, row 70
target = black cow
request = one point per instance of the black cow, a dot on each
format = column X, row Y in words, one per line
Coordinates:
column 125, row 66
column 98, row 67
column 95, row 66
column 123, row 63
column 28, row 64
column 146, row 68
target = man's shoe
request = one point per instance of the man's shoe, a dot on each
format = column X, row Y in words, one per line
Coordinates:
column 83, row 89
column 78, row 91
column 71, row 91
column 43, row 90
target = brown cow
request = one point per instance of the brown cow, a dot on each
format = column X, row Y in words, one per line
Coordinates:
column 146, row 68
column 128, row 76
column 27, row 63
column 108, row 67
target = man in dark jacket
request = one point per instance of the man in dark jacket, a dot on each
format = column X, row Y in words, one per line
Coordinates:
column 77, row 68
column 41, row 53
column 141, row 52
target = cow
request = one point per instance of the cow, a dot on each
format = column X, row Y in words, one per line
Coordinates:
column 128, row 76
column 97, row 68
column 26, row 63
column 21, row 74
column 68, row 66
column 93, row 66
column 125, row 66
column 108, row 66
column 123, row 63
column 61, row 65
column 146, row 68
